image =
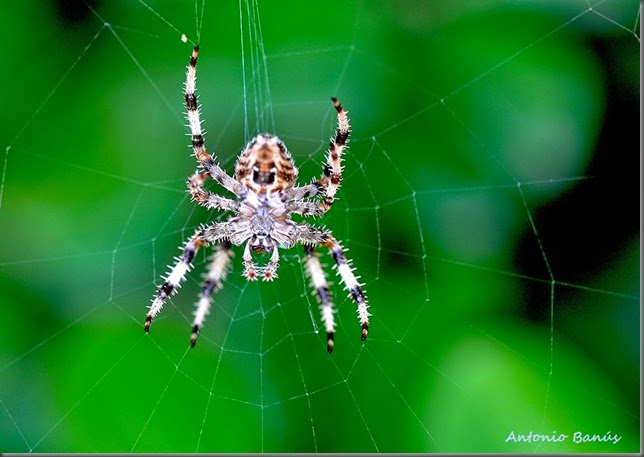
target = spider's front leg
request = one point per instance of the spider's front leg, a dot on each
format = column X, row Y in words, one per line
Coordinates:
column 211, row 234
column 175, row 276
column 311, row 236
column 350, row 282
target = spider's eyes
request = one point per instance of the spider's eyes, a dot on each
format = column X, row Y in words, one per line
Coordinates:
column 264, row 177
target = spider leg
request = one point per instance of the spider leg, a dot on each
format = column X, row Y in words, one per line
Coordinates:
column 329, row 182
column 306, row 191
column 305, row 208
column 309, row 235
column 217, row 271
column 211, row 234
column 208, row 199
column 332, row 174
column 318, row 281
column 175, row 276
column 350, row 283
column 206, row 161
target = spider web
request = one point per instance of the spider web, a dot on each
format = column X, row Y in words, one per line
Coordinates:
column 488, row 203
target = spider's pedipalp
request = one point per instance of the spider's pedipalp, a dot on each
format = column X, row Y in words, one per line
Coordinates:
column 250, row 269
column 270, row 270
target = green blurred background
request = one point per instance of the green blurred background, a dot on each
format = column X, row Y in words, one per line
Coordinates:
column 490, row 204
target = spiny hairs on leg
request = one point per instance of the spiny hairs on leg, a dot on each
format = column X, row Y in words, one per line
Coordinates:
column 332, row 173
column 351, row 283
column 331, row 177
column 343, row 130
column 331, row 180
column 321, row 290
column 193, row 117
column 217, row 271
column 174, row 278
column 206, row 161
column 310, row 237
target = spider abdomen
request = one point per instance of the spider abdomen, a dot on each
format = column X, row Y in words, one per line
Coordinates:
column 266, row 166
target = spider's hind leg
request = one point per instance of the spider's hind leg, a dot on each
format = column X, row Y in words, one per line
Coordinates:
column 311, row 236
column 332, row 172
column 206, row 161
column 328, row 184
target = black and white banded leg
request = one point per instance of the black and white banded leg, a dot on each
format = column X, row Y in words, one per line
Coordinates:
column 321, row 290
column 329, row 182
column 206, row 198
column 310, row 237
column 206, row 161
column 175, row 276
column 217, row 271
column 216, row 232
column 332, row 173
column 350, row 282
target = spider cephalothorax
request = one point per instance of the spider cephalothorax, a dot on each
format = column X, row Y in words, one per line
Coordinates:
column 265, row 198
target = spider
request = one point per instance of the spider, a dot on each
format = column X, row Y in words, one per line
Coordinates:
column 266, row 195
